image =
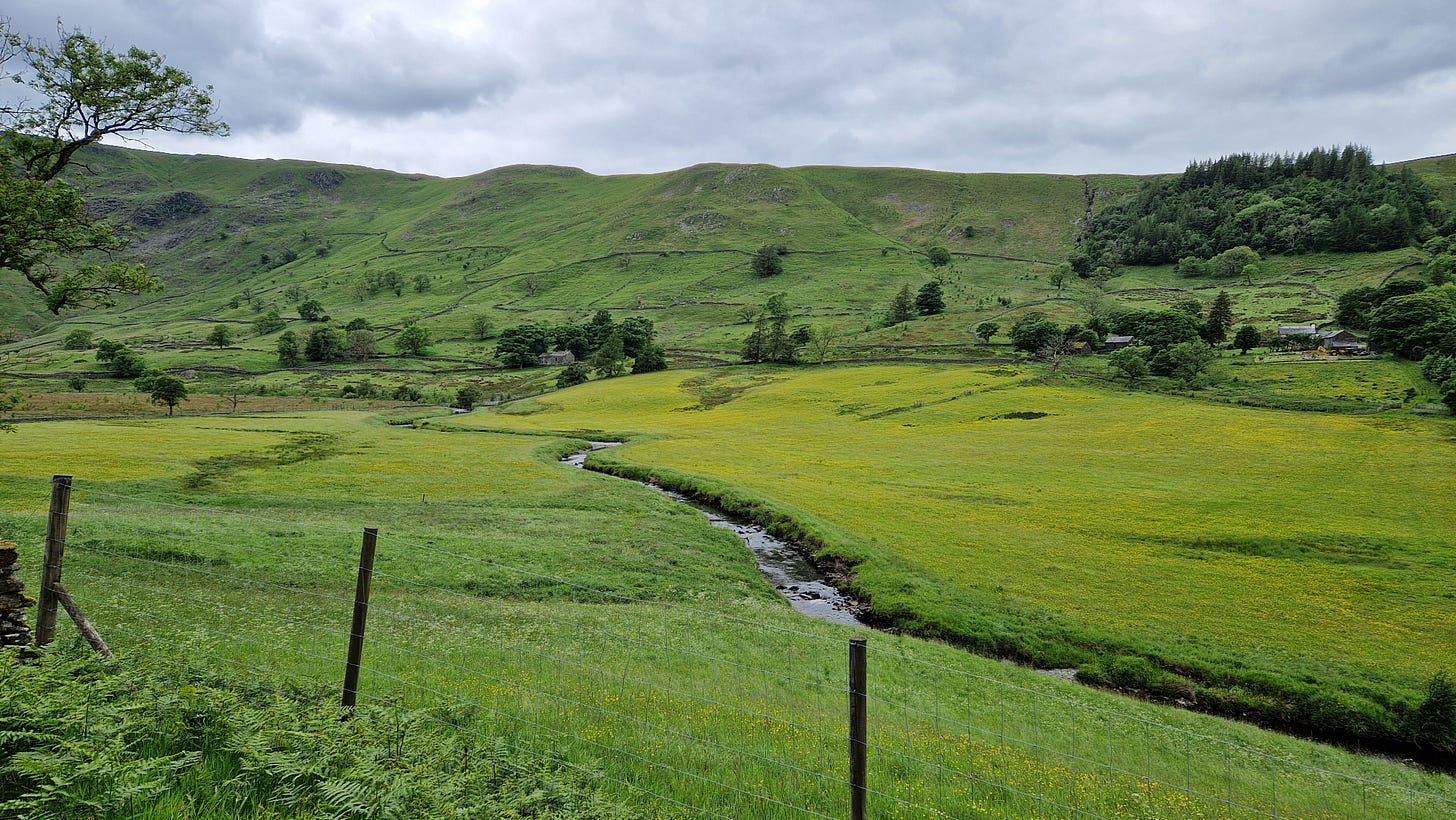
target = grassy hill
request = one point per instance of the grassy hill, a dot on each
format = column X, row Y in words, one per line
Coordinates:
column 233, row 239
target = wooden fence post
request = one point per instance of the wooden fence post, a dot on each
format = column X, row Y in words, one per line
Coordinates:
column 361, row 614
column 858, row 728
column 55, row 551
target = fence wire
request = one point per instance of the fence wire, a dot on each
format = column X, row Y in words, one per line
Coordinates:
column 674, row 707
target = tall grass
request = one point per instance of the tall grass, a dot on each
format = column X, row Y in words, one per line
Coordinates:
column 1280, row 565
column 602, row 631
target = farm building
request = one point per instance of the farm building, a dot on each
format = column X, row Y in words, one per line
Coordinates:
column 555, row 357
column 1339, row 341
column 1298, row 330
column 1117, row 343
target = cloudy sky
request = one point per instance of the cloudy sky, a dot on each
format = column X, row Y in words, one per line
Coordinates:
column 453, row 87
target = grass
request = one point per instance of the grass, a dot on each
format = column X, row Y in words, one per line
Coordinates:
column 1300, row 555
column 664, row 666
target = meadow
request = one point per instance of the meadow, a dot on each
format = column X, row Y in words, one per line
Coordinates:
column 578, row 624
column 1293, row 568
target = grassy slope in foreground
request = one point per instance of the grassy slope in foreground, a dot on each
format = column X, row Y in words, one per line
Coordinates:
column 251, row 570
column 1305, row 560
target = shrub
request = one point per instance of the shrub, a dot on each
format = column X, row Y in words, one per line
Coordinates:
column 766, row 261
column 467, row 396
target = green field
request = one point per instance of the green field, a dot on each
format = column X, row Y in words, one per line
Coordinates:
column 599, row 627
column 1271, row 544
column 1305, row 555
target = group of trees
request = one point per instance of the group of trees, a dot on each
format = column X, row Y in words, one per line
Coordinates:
column 354, row 342
column 374, row 282
column 610, row 347
column 1323, row 200
column 1176, row 342
column 125, row 363
column 928, row 301
column 772, row 342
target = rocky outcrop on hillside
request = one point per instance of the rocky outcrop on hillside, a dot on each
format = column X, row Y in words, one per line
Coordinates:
column 173, row 208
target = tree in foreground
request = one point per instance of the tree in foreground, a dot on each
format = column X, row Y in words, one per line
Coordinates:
column 1033, row 332
column 324, row 344
column 986, row 330
column 1185, row 361
column 611, row 358
column 79, row 94
column 822, row 341
column 520, row 345
column 1130, row 362
column 163, row 387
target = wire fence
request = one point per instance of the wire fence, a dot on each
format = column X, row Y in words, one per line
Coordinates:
column 675, row 709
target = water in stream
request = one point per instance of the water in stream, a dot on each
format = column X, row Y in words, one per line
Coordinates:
column 783, row 566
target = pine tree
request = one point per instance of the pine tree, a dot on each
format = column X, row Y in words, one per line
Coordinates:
column 1220, row 318
column 930, row 300
column 902, row 309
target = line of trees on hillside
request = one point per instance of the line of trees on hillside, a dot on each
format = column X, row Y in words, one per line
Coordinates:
column 1322, row 200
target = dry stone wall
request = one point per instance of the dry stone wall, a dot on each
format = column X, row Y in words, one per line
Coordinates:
column 14, row 631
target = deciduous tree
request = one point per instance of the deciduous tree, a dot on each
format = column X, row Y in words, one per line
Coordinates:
column 1246, row 338
column 650, row 359
column 79, row 94
column 311, row 310
column 289, row 354
column 1033, row 332
column 413, row 340
column 221, row 336
column 324, row 344
column 163, row 387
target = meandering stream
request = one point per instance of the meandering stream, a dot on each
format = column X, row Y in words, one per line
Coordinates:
column 784, row 567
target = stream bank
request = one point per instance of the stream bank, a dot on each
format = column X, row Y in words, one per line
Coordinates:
column 790, row 572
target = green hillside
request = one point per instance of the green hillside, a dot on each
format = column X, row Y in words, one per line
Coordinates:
column 233, row 239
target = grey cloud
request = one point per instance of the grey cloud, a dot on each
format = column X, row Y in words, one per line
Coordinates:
column 614, row 86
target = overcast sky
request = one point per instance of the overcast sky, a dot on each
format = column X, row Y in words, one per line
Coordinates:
column 454, row 87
